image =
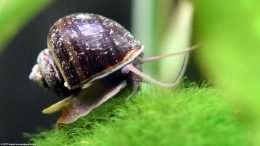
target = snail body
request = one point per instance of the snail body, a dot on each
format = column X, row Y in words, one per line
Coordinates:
column 89, row 52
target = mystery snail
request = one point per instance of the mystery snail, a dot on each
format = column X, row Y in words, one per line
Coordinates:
column 89, row 59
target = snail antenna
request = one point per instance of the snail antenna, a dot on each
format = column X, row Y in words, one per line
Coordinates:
column 146, row 77
column 162, row 56
column 134, row 90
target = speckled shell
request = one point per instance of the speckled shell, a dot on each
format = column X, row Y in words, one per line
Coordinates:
column 86, row 47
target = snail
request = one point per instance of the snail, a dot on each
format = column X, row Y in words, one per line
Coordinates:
column 90, row 59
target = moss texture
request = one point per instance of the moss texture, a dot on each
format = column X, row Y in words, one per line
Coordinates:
column 155, row 116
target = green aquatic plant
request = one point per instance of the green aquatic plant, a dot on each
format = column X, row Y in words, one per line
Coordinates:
column 14, row 14
column 155, row 116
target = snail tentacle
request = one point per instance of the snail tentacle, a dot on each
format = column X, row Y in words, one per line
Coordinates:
column 146, row 77
column 162, row 56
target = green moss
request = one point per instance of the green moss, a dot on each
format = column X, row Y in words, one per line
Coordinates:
column 155, row 116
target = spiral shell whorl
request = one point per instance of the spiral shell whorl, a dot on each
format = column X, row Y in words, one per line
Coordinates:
column 46, row 74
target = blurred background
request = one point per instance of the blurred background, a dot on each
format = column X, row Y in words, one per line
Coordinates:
column 228, row 57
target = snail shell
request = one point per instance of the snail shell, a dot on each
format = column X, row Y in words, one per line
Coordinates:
column 86, row 47
column 83, row 48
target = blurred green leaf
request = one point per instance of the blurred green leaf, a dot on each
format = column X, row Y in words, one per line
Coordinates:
column 149, row 20
column 14, row 14
column 230, row 35
column 176, row 38
column 163, row 26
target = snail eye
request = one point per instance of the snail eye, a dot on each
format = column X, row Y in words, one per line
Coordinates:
column 125, row 70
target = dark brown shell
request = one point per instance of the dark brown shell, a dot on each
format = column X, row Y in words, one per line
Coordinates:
column 86, row 47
